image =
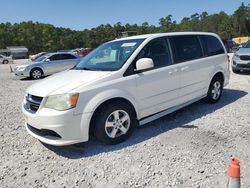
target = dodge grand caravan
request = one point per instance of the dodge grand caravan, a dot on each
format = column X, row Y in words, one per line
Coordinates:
column 124, row 83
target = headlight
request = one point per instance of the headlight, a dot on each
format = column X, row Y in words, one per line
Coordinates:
column 21, row 68
column 237, row 55
column 62, row 102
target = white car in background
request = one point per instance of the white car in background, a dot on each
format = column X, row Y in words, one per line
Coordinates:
column 5, row 59
column 124, row 83
column 241, row 59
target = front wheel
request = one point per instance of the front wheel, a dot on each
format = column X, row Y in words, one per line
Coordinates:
column 114, row 123
column 36, row 73
column 215, row 90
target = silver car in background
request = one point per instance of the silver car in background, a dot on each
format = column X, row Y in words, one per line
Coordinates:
column 47, row 64
column 241, row 58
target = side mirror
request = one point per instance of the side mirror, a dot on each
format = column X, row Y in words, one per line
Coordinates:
column 240, row 46
column 144, row 64
column 47, row 60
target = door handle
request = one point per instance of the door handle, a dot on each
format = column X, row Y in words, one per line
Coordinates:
column 174, row 71
column 184, row 68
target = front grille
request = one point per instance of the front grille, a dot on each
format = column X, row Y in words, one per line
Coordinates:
column 32, row 103
column 44, row 132
column 245, row 57
column 243, row 65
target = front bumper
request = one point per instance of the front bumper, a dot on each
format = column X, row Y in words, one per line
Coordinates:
column 239, row 64
column 58, row 127
column 23, row 73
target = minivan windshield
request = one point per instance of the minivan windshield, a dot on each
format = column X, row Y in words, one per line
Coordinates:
column 110, row 56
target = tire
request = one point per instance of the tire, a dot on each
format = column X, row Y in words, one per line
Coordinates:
column 5, row 61
column 215, row 90
column 36, row 73
column 109, row 126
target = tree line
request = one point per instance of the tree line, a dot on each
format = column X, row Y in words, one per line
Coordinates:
column 39, row 37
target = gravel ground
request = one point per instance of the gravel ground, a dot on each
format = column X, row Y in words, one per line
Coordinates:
column 189, row 148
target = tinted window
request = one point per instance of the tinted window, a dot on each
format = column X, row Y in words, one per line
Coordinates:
column 212, row 46
column 68, row 56
column 186, row 47
column 158, row 51
column 55, row 57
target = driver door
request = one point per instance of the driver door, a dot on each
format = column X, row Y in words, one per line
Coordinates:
column 158, row 88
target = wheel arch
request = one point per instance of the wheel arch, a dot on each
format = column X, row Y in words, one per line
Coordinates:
column 113, row 100
column 103, row 98
column 218, row 73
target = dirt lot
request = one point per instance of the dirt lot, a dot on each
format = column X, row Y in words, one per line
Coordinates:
column 188, row 148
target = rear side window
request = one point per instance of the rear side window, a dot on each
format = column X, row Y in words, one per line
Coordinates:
column 212, row 46
column 186, row 48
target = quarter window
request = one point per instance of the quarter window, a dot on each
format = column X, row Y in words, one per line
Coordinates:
column 186, row 47
column 212, row 45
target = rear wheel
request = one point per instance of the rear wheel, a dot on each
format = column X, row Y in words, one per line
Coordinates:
column 5, row 61
column 36, row 73
column 215, row 90
column 114, row 123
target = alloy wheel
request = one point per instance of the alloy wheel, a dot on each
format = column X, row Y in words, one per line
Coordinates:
column 117, row 124
column 216, row 90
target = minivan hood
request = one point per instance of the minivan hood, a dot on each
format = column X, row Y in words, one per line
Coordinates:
column 65, row 81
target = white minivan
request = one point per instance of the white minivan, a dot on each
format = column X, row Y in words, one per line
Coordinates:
column 124, row 83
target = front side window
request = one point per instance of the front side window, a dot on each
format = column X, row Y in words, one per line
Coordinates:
column 56, row 57
column 110, row 56
column 186, row 47
column 212, row 46
column 158, row 51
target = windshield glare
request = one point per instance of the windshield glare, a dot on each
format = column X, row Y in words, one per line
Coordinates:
column 109, row 56
column 247, row 45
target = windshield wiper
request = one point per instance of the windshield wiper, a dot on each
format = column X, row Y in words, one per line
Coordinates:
column 82, row 68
